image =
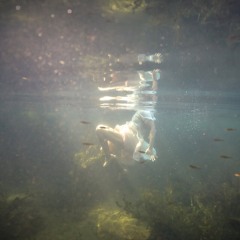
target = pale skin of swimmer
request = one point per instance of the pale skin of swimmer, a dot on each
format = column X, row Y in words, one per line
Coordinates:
column 125, row 143
column 131, row 58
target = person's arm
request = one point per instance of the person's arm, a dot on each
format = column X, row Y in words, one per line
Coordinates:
column 156, row 77
column 150, row 150
column 151, row 136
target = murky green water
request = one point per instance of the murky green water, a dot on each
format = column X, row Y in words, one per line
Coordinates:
column 53, row 186
column 54, row 57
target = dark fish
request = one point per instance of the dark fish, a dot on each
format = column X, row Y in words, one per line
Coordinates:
column 141, row 151
column 231, row 129
column 218, row 139
column 225, row 157
column 194, row 167
column 84, row 122
column 88, row 144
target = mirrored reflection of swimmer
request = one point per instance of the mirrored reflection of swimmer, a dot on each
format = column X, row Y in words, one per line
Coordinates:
column 131, row 90
column 131, row 58
column 135, row 61
column 126, row 142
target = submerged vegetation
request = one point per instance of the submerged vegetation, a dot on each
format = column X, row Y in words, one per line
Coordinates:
column 201, row 217
column 85, row 159
column 168, row 214
column 124, row 6
column 19, row 217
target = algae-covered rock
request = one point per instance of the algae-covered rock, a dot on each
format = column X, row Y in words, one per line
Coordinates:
column 114, row 223
column 19, row 217
column 173, row 219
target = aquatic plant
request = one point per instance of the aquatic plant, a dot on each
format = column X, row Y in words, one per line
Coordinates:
column 124, row 6
column 86, row 158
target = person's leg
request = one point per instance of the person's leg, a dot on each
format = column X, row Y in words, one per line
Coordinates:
column 106, row 134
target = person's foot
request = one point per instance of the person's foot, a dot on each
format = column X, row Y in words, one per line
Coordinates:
column 107, row 160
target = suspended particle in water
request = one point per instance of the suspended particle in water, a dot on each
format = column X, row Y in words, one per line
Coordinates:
column 18, row 7
column 69, row 11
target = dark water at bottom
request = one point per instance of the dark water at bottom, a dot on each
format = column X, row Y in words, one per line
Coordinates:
column 54, row 187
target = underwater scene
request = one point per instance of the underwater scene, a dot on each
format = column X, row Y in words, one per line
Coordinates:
column 119, row 119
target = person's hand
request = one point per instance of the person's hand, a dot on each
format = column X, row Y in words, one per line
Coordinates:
column 152, row 153
column 153, row 157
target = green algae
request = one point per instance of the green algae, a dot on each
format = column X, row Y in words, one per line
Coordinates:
column 87, row 158
column 198, row 218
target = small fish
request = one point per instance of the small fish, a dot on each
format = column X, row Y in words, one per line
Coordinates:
column 237, row 174
column 231, row 129
column 225, row 157
column 25, row 78
column 234, row 38
column 194, row 167
column 84, row 122
column 141, row 151
column 218, row 139
column 88, row 144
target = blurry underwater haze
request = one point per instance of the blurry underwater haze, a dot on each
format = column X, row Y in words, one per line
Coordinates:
column 54, row 56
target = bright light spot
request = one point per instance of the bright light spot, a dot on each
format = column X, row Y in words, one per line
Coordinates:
column 106, row 98
column 62, row 62
column 40, row 34
column 52, row 15
column 18, row 7
column 69, row 11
